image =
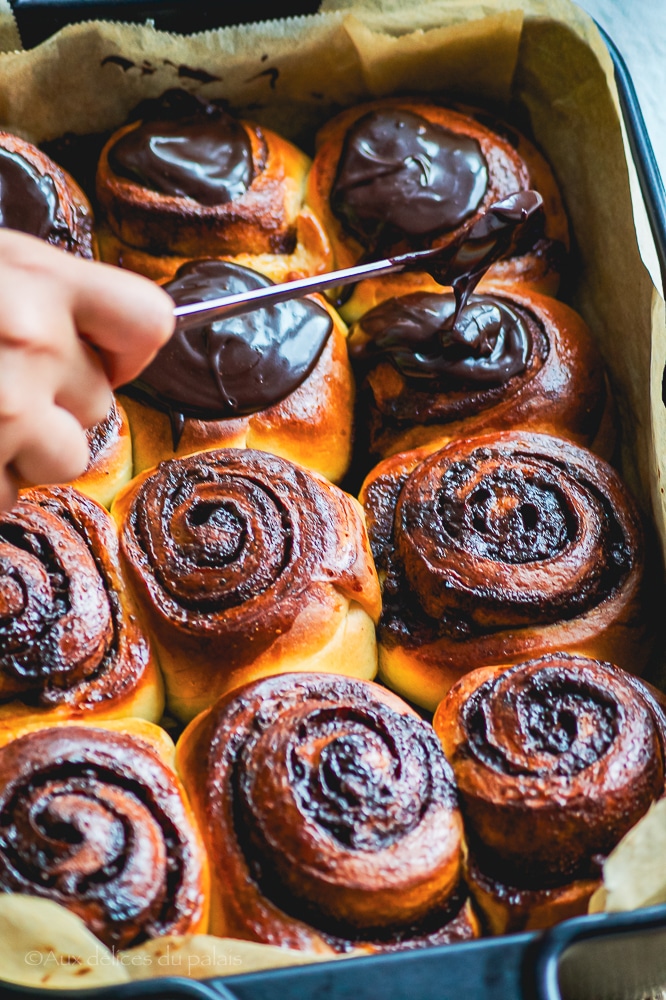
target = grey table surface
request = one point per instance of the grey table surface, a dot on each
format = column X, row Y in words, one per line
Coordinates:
column 638, row 29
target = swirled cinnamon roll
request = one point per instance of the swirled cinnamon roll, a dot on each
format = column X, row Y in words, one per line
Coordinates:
column 276, row 379
column 330, row 809
column 71, row 644
column 247, row 565
column 188, row 180
column 40, row 198
column 400, row 174
column 110, row 463
column 555, row 760
column 97, row 820
column 501, row 547
column 510, row 358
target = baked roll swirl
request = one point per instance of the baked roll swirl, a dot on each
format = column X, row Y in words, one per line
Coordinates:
column 247, row 565
column 276, row 379
column 510, row 359
column 399, row 174
column 110, row 463
column 555, row 760
column 71, row 644
column 188, row 180
column 40, row 198
column 97, row 820
column 501, row 547
column 332, row 815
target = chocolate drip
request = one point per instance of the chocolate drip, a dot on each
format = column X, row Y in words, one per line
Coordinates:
column 207, row 157
column 236, row 366
column 28, row 199
column 399, row 176
column 489, row 344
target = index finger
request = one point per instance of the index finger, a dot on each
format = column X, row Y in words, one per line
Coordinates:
column 124, row 315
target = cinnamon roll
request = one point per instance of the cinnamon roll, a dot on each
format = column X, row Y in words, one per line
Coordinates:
column 97, row 821
column 509, row 358
column 555, row 760
column 247, row 565
column 277, row 379
column 71, row 644
column 399, row 174
column 187, row 180
column 501, row 547
column 331, row 811
column 110, row 463
column 40, row 198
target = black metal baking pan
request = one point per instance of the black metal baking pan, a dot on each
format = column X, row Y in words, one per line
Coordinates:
column 38, row 19
column 618, row 956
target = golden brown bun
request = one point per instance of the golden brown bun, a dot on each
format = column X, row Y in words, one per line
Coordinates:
column 247, row 565
column 105, row 815
column 555, row 760
column 502, row 547
column 71, row 643
column 267, row 228
column 562, row 390
column 311, row 426
column 376, row 866
column 110, row 465
column 75, row 229
column 513, row 164
column 311, row 254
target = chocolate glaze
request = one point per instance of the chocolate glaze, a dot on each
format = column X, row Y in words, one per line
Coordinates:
column 207, row 157
column 28, row 200
column 489, row 344
column 236, row 366
column 563, row 723
column 401, row 175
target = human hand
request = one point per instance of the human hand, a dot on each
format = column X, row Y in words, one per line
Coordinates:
column 70, row 331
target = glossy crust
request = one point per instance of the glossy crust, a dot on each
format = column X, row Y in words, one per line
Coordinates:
column 71, row 642
column 555, row 760
column 268, row 228
column 75, row 232
column 311, row 426
column 247, row 565
column 311, row 254
column 331, row 813
column 97, row 820
column 513, row 164
column 498, row 548
column 110, row 465
column 563, row 389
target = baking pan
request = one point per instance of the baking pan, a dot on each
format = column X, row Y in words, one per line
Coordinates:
column 602, row 957
column 38, row 19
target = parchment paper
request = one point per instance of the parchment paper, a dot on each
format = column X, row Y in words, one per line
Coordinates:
column 542, row 63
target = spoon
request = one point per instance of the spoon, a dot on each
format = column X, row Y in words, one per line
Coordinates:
column 487, row 240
